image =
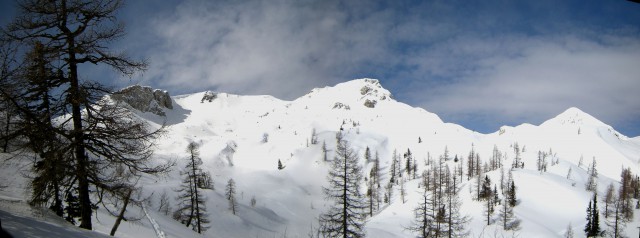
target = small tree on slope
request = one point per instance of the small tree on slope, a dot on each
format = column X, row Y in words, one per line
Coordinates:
column 231, row 195
column 346, row 217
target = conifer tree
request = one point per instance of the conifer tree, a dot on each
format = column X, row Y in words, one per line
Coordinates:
column 569, row 232
column 325, row 156
column 98, row 133
column 592, row 183
column 367, row 154
column 609, row 199
column 280, row 166
column 394, row 167
column 230, row 193
column 457, row 222
column 617, row 221
column 409, row 157
column 423, row 218
column 346, row 217
column 507, row 218
column 592, row 228
column 192, row 210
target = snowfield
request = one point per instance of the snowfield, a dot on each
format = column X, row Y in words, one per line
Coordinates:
column 244, row 137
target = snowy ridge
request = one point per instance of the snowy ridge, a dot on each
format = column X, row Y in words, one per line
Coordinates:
column 244, row 137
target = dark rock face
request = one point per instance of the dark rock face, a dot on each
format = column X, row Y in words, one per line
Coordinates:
column 145, row 99
column 209, row 96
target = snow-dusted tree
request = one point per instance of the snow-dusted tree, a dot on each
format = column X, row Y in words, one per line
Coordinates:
column 403, row 191
column 325, row 156
column 569, row 173
column 314, row 137
column 568, row 233
column 502, row 180
column 367, row 154
column 542, row 161
column 471, row 164
column 191, row 200
column 230, row 193
column 394, row 167
column 347, row 216
column 592, row 183
column 609, row 199
column 446, row 153
column 581, row 161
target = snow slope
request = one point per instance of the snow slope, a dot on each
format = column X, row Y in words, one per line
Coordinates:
column 231, row 130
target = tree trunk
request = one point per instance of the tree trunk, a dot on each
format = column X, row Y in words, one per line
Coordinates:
column 121, row 215
column 5, row 146
column 79, row 146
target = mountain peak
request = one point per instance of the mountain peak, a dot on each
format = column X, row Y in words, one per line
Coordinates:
column 365, row 91
column 575, row 116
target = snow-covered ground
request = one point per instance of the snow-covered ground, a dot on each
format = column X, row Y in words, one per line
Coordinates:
column 231, row 129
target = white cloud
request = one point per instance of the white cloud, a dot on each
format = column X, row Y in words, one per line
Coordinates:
column 276, row 47
column 519, row 79
column 453, row 61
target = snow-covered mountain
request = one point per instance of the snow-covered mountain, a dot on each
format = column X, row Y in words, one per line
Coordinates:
column 244, row 137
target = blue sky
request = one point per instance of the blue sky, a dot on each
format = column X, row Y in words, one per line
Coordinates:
column 481, row 64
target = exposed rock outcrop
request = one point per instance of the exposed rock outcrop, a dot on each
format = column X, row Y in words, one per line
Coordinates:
column 145, row 99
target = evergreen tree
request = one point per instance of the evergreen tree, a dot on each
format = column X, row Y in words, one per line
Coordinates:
column 487, row 196
column 98, row 133
column 230, row 193
column 592, row 183
column 423, row 218
column 446, row 153
column 367, row 154
column 507, row 218
column 609, row 199
column 592, row 228
column 394, row 167
column 409, row 162
column 72, row 210
column 314, row 137
column 192, row 210
column 346, row 217
column 511, row 198
column 280, row 166
column 589, row 225
column 569, row 232
column 325, row 156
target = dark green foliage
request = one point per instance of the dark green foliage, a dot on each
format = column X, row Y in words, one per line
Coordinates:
column 592, row 228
